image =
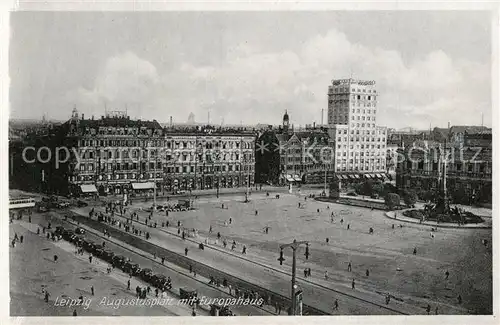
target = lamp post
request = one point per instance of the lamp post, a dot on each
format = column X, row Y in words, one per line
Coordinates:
column 294, row 246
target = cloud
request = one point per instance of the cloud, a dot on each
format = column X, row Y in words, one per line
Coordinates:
column 256, row 86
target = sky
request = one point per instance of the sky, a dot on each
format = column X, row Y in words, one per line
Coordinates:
column 431, row 67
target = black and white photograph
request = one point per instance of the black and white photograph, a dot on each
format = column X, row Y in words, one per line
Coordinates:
column 251, row 163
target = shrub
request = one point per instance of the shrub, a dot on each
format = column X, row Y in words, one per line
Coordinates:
column 392, row 200
column 410, row 198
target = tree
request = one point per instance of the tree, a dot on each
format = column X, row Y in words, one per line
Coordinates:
column 378, row 188
column 392, row 200
column 410, row 198
column 334, row 189
column 367, row 188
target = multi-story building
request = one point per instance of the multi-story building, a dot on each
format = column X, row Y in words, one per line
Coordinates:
column 468, row 168
column 360, row 145
column 117, row 155
column 287, row 155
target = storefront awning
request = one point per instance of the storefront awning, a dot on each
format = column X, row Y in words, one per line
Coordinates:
column 297, row 178
column 345, row 177
column 368, row 176
column 289, row 178
column 143, row 186
column 356, row 175
column 380, row 176
column 88, row 188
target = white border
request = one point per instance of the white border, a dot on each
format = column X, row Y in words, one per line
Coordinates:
column 238, row 6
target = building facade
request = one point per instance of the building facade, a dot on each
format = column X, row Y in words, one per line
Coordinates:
column 360, row 144
column 468, row 169
column 286, row 155
column 118, row 155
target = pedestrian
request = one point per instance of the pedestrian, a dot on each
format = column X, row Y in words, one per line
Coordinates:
column 244, row 251
column 186, row 251
column 90, row 258
column 342, row 221
column 218, row 235
column 447, row 274
column 47, row 295
column 256, row 212
column 353, row 284
column 21, row 239
column 128, row 284
column 13, row 243
column 415, row 251
column 327, row 240
column 168, row 223
column 224, row 243
column 163, row 260
column 367, row 272
column 336, row 305
column 428, row 309
column 392, row 226
column 305, row 273
column 387, row 299
column 156, row 292
column 348, row 226
column 459, row 298
column 210, row 230
column 38, row 231
column 55, row 258
column 92, row 290
column 29, row 218
column 436, row 312
column 317, row 210
column 16, row 238
column 74, row 312
column 349, row 267
column 183, row 235
column 326, row 275
column 190, row 268
column 43, row 230
column 230, row 220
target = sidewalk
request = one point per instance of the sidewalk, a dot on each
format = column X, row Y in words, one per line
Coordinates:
column 487, row 224
column 318, row 293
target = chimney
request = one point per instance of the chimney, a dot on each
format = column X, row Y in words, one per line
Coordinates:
column 92, row 117
column 83, row 117
column 314, row 125
column 448, row 125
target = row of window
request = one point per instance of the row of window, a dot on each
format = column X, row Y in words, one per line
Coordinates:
column 118, row 154
column 357, row 139
column 169, row 169
column 169, row 144
column 346, row 89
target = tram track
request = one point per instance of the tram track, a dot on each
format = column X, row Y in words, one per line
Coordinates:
column 338, row 292
column 184, row 262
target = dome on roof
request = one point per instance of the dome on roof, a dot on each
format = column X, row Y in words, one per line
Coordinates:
column 285, row 117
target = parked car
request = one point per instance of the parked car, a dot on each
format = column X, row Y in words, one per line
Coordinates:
column 146, row 274
column 78, row 241
column 63, row 205
column 59, row 230
column 118, row 261
column 374, row 196
column 88, row 245
column 351, row 194
column 43, row 208
column 79, row 231
column 107, row 256
column 81, row 203
column 131, row 268
column 186, row 293
column 67, row 234
column 98, row 250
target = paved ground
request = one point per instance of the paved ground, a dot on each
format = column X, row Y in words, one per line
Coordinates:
column 387, row 254
column 32, row 268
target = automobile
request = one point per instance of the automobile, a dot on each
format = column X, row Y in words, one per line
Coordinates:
column 63, row 205
column 78, row 241
column 186, row 293
column 351, row 194
column 57, row 236
column 98, row 250
column 81, row 203
column 158, row 279
column 59, row 230
column 68, row 235
column 146, row 274
column 131, row 268
column 118, row 261
column 88, row 245
column 107, row 255
column 42, row 208
column 79, row 231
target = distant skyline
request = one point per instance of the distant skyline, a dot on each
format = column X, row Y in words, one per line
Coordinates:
column 430, row 67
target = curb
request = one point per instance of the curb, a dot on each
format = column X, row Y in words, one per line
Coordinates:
column 387, row 215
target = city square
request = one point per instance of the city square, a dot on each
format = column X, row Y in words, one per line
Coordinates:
column 333, row 171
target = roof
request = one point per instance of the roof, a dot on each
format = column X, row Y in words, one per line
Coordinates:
column 467, row 128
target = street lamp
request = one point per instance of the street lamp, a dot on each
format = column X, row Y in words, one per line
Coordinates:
column 294, row 246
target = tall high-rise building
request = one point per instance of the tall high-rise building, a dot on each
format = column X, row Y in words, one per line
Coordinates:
column 360, row 145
